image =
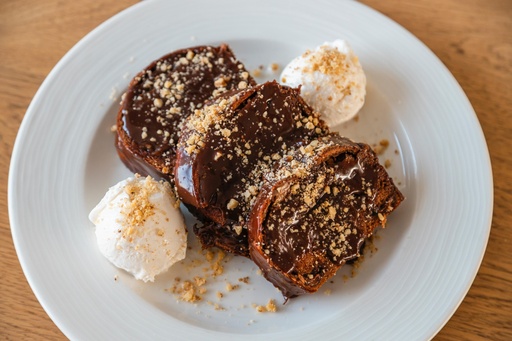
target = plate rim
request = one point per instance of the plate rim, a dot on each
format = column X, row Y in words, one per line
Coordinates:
column 16, row 158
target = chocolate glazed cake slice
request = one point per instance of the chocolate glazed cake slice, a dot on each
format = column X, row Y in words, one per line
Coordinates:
column 162, row 95
column 319, row 205
column 226, row 148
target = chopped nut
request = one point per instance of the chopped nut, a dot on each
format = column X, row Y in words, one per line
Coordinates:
column 232, row 204
column 158, row 102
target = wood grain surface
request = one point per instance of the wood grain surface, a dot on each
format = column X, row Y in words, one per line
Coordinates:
column 472, row 38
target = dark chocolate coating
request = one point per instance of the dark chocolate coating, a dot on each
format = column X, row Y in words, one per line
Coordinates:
column 224, row 152
column 162, row 95
column 312, row 218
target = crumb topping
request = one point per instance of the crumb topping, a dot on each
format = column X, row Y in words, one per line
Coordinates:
column 328, row 61
column 246, row 134
column 170, row 89
column 381, row 147
column 269, row 307
column 192, row 290
column 140, row 206
column 322, row 209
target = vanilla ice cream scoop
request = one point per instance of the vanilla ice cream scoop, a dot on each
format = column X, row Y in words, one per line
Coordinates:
column 140, row 228
column 332, row 81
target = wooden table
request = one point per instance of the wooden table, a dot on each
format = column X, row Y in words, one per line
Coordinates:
column 472, row 38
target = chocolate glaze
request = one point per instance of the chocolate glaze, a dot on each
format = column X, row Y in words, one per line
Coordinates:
column 313, row 217
column 225, row 150
column 162, row 95
column 253, row 164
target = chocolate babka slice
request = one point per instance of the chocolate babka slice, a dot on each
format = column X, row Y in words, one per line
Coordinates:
column 162, row 95
column 315, row 211
column 226, row 148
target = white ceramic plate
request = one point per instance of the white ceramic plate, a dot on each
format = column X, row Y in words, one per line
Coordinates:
column 64, row 160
